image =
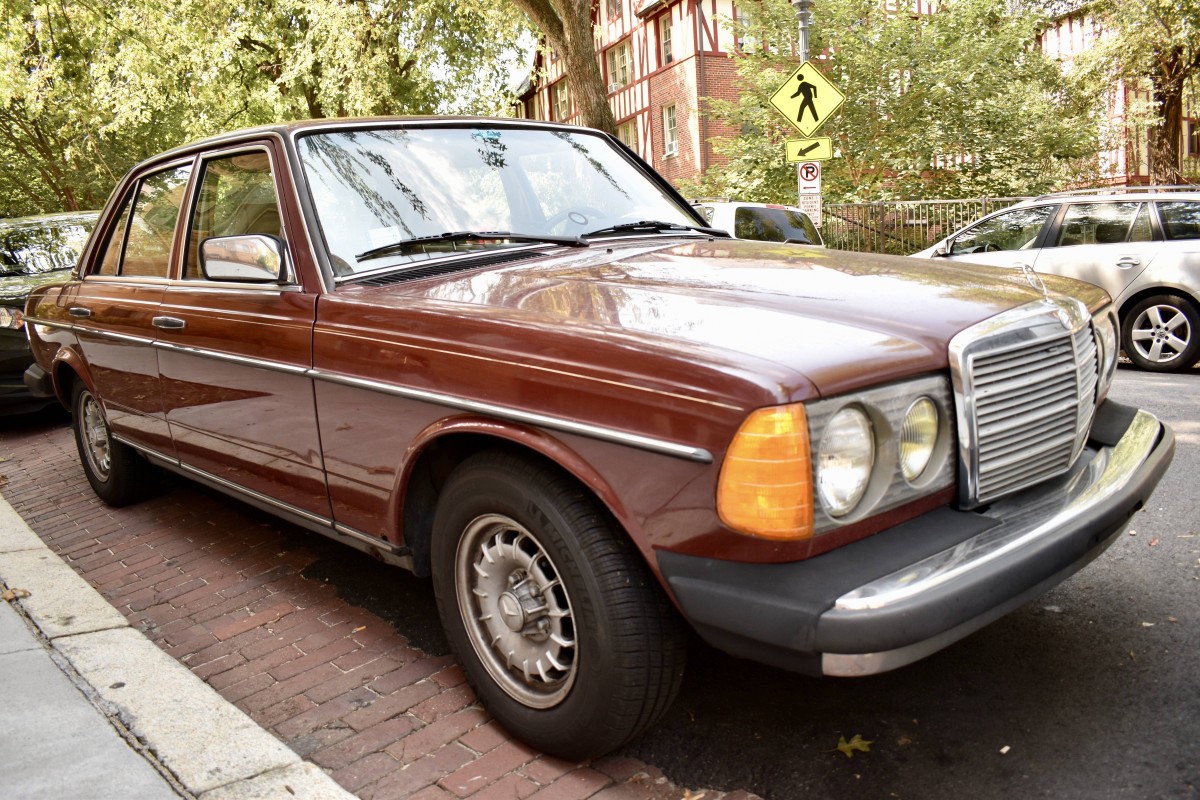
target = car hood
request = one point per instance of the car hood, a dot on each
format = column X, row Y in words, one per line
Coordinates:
column 832, row 319
column 15, row 288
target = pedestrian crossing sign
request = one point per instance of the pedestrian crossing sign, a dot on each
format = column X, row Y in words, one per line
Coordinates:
column 807, row 98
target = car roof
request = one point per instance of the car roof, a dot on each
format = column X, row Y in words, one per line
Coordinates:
column 1121, row 193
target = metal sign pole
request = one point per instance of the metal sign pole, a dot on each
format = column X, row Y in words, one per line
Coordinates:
column 803, row 17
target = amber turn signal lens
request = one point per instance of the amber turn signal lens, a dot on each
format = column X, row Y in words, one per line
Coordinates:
column 765, row 487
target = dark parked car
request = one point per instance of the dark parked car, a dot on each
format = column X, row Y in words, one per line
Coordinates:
column 507, row 355
column 33, row 251
column 1141, row 244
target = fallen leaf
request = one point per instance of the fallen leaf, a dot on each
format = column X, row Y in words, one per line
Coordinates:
column 856, row 743
column 1154, row 542
column 359, row 628
column 1147, row 624
column 14, row 594
column 1004, row 750
column 1172, row 619
column 1133, row 533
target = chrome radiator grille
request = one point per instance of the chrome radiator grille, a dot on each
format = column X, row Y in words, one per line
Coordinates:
column 1026, row 385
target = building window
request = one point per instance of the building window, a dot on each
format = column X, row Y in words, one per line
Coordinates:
column 666, row 47
column 670, row 132
column 614, row 8
column 747, row 33
column 1193, row 138
column 627, row 133
column 618, row 66
column 560, row 101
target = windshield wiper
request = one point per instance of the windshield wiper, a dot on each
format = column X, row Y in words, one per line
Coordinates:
column 655, row 226
column 467, row 236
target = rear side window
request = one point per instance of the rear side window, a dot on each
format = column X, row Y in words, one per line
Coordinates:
column 141, row 246
column 774, row 225
column 1180, row 220
column 1096, row 223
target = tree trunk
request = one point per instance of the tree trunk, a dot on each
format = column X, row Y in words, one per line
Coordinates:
column 567, row 27
column 1164, row 136
column 583, row 69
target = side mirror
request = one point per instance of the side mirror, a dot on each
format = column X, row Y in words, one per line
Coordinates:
column 252, row 258
column 943, row 249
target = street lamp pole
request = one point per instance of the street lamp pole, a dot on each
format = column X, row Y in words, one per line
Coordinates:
column 803, row 17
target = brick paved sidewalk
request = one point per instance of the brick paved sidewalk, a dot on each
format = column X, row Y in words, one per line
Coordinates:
column 222, row 588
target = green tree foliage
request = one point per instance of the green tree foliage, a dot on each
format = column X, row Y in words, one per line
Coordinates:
column 958, row 103
column 1154, row 44
column 89, row 88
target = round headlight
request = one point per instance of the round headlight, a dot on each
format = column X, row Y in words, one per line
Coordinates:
column 844, row 461
column 918, row 435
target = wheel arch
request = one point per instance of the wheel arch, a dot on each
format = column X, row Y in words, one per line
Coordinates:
column 69, row 367
column 1145, row 292
column 435, row 453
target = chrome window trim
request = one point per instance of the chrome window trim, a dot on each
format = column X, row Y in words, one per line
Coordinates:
column 215, row 287
column 125, row 280
column 697, row 454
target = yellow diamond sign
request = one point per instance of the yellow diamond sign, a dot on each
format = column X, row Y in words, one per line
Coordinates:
column 807, row 99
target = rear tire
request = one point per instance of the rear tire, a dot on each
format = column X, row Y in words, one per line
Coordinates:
column 118, row 475
column 1162, row 333
column 561, row 629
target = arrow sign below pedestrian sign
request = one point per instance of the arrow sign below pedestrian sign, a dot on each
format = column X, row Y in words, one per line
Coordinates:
column 807, row 99
column 819, row 149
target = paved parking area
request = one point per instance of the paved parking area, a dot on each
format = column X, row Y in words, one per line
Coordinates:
column 223, row 588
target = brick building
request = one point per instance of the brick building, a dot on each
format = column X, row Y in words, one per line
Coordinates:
column 658, row 57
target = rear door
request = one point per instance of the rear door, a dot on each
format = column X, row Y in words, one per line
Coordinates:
column 1105, row 242
column 235, row 355
column 115, row 307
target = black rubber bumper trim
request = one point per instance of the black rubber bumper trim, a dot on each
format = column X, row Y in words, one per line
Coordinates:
column 779, row 613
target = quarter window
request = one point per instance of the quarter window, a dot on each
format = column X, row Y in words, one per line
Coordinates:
column 237, row 197
column 148, row 236
column 1180, row 220
column 1096, row 223
column 1012, row 230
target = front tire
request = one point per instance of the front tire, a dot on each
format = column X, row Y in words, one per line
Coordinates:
column 118, row 475
column 560, row 628
column 1162, row 334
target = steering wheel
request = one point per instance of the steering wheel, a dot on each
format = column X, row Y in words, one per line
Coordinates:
column 986, row 247
column 577, row 215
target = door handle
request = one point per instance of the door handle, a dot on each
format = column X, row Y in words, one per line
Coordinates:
column 168, row 323
column 79, row 311
column 1128, row 262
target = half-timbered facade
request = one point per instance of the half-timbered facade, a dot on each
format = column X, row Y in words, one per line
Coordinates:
column 659, row 58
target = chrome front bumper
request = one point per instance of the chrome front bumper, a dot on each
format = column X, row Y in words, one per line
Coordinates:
column 907, row 592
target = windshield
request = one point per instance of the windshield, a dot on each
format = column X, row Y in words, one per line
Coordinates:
column 374, row 188
column 34, row 247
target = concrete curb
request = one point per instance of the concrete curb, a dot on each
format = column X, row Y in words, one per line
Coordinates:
column 207, row 745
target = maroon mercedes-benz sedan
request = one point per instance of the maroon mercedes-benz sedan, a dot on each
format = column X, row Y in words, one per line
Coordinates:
column 509, row 356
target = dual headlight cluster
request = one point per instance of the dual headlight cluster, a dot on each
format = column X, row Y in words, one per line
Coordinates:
column 800, row 469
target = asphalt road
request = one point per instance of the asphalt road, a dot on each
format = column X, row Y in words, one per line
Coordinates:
column 1091, row 692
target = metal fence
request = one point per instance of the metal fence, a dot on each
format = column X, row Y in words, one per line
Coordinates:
column 901, row 227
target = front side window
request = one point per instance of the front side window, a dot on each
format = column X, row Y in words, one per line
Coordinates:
column 670, row 133
column 1180, row 220
column 237, row 197
column 140, row 244
column 1017, row 229
column 385, row 197
column 1096, row 223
